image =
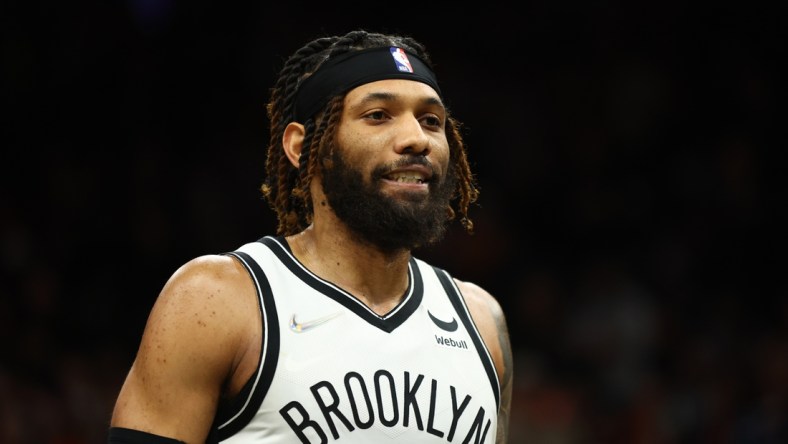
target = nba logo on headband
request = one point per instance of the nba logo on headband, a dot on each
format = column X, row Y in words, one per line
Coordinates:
column 341, row 73
column 401, row 59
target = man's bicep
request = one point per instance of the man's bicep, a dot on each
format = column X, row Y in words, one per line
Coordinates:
column 166, row 392
column 184, row 356
column 161, row 395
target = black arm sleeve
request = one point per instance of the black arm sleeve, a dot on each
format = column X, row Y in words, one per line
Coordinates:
column 119, row 435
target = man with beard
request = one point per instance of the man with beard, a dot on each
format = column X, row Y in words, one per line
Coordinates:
column 331, row 330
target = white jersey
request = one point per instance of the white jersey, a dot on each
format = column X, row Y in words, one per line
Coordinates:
column 332, row 370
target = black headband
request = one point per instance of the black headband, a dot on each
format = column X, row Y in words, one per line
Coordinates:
column 352, row 69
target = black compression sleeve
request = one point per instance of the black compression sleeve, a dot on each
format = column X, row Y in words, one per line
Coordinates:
column 119, row 435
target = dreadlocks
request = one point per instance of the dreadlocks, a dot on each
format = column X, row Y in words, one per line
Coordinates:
column 286, row 188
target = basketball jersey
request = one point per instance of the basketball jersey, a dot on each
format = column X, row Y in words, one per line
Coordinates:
column 332, row 370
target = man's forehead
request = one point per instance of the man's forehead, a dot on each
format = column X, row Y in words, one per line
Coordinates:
column 392, row 90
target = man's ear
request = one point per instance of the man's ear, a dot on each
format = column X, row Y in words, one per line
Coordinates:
column 293, row 141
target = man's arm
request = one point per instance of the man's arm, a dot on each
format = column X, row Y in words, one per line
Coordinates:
column 194, row 340
column 491, row 321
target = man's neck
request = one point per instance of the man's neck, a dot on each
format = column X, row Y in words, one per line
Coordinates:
column 378, row 279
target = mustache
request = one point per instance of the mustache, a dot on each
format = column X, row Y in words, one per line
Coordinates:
column 382, row 170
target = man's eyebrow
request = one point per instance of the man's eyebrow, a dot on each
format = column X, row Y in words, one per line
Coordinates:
column 390, row 97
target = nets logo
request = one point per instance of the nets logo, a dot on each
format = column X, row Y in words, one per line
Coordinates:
column 401, row 59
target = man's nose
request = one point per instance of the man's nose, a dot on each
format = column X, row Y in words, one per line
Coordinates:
column 411, row 137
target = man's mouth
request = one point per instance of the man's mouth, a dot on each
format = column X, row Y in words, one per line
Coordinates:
column 406, row 177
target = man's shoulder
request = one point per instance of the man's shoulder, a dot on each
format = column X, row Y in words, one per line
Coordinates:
column 207, row 281
column 473, row 290
column 208, row 268
column 468, row 289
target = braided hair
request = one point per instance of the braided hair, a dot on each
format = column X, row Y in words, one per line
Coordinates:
column 285, row 188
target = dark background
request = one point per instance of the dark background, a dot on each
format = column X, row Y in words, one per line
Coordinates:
column 628, row 221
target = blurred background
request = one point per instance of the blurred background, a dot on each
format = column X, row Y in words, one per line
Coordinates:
column 628, row 221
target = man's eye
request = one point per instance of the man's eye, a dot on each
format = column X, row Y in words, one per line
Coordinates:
column 376, row 115
column 432, row 121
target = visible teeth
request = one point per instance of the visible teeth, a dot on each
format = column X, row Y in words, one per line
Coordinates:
column 409, row 179
column 406, row 177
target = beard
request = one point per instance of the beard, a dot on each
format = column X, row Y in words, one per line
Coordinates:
column 405, row 221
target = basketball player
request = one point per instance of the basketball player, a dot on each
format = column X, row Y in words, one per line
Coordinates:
column 331, row 330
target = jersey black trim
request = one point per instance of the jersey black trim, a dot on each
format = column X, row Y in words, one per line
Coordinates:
column 120, row 435
column 234, row 416
column 458, row 302
column 388, row 323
